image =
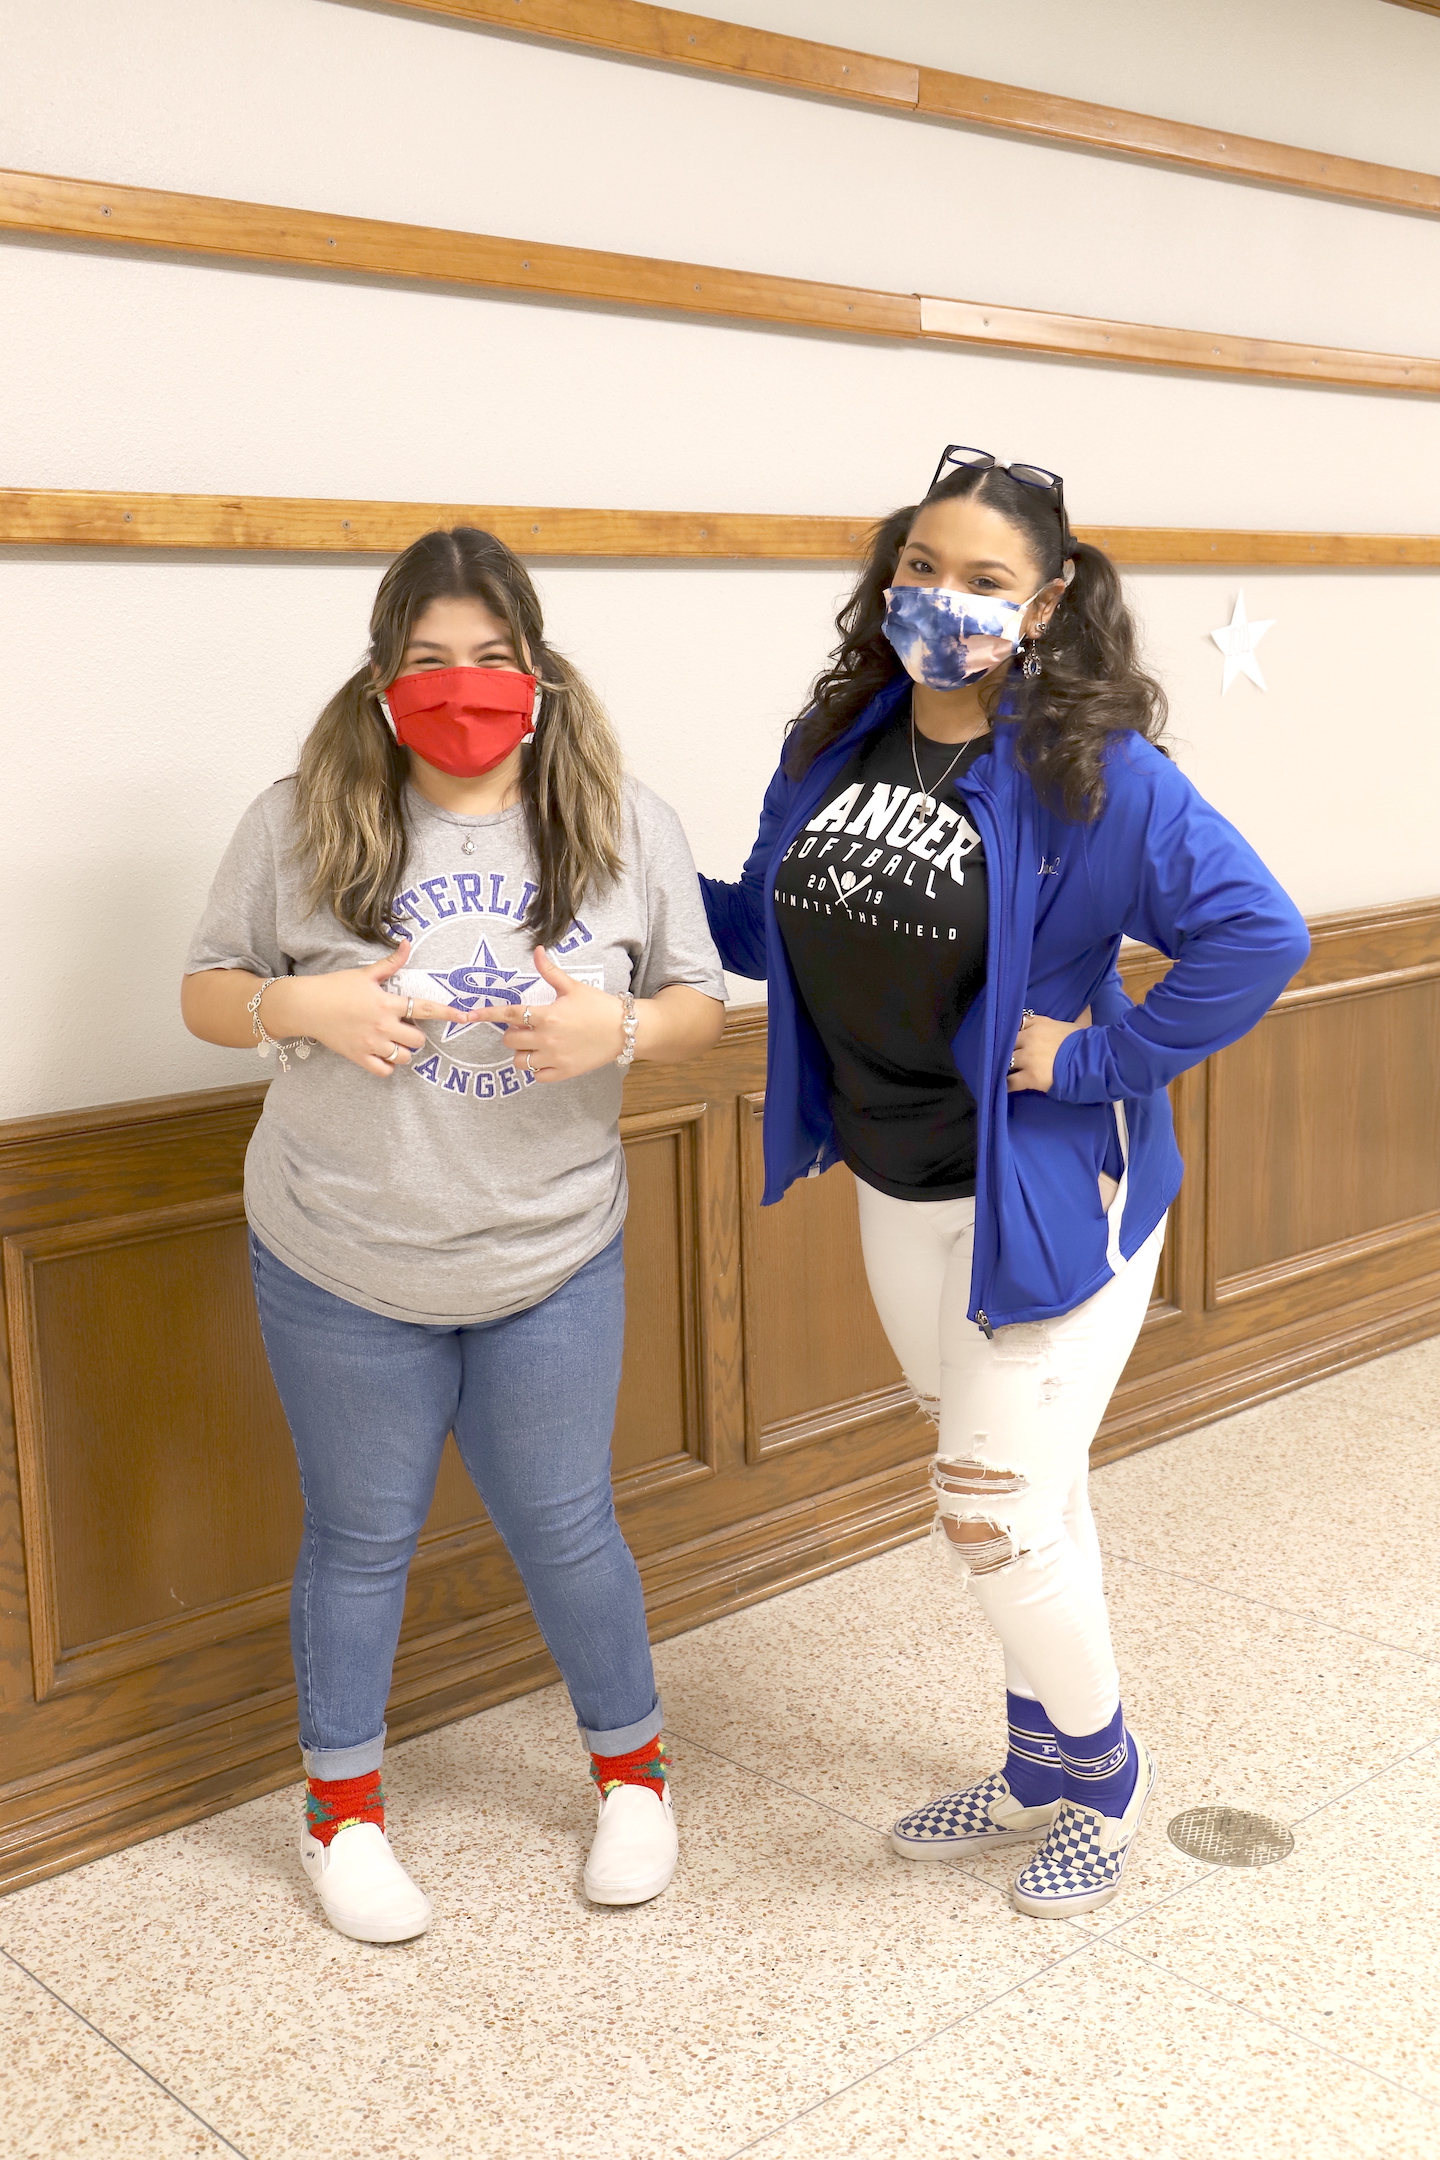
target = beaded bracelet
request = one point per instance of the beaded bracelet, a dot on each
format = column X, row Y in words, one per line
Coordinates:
column 302, row 1045
column 628, row 1026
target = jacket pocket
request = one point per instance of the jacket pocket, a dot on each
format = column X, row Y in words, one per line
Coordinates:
column 1114, row 1206
column 1056, row 1235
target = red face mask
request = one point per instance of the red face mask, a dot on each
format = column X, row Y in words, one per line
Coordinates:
column 462, row 719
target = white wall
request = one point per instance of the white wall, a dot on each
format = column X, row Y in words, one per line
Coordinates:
column 399, row 117
column 146, row 699
column 1355, row 76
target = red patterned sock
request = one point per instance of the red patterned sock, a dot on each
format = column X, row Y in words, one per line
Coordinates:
column 648, row 1764
column 333, row 1804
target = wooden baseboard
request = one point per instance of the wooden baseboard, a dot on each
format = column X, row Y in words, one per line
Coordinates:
column 1223, row 1382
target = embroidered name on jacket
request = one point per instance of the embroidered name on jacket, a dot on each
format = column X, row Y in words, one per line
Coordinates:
column 878, row 855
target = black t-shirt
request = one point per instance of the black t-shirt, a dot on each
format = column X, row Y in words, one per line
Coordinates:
column 882, row 905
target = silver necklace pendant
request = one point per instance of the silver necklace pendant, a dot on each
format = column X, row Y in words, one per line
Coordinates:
column 467, row 847
column 928, row 793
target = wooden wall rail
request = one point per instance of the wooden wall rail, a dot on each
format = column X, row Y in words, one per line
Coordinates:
column 148, row 1509
column 279, row 524
column 744, row 55
column 51, row 517
column 47, row 205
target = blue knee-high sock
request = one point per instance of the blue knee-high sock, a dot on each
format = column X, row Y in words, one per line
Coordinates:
column 1099, row 1768
column 1032, row 1766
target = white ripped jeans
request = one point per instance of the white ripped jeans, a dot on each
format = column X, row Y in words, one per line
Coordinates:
column 1016, row 1417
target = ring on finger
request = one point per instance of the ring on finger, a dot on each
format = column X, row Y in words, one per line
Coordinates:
column 409, row 1008
column 527, row 1018
column 529, row 1057
column 392, row 1055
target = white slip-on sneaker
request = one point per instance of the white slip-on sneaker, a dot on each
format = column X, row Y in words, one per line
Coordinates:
column 1080, row 1864
column 362, row 1886
column 966, row 1822
column 635, row 1849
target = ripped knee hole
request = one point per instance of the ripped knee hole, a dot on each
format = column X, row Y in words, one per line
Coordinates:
column 975, row 1480
column 984, row 1545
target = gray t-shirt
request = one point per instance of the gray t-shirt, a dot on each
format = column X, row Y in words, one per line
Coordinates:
column 459, row 1190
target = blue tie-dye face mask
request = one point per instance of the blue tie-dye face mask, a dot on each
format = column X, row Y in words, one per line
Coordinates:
column 948, row 639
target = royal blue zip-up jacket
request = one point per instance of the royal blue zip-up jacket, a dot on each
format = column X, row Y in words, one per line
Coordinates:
column 1158, row 864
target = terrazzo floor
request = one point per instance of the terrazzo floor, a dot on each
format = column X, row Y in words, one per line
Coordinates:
column 800, row 1992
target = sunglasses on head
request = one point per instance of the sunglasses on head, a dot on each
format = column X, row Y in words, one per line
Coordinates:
column 959, row 457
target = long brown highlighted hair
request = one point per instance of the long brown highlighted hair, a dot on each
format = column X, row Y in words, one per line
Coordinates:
column 350, row 783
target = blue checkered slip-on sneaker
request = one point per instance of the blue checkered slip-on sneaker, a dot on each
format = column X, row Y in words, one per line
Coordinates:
column 962, row 1822
column 1080, row 1863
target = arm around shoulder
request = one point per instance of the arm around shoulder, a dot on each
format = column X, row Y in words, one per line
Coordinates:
column 678, row 983
column 736, row 911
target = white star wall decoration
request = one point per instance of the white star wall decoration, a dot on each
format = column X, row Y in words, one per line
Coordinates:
column 1238, row 641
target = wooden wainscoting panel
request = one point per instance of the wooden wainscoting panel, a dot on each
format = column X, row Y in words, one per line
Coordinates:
column 658, row 1426
column 816, row 1355
column 659, row 1421
column 1165, row 1307
column 1392, row 943
column 75, row 1165
column 1324, row 1137
column 1305, row 1238
column 140, row 1389
column 456, row 1505
column 1185, row 1282
column 765, row 1434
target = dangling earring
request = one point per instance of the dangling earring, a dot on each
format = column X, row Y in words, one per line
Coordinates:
column 1030, row 665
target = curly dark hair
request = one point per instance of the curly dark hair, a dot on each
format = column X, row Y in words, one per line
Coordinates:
column 1090, row 686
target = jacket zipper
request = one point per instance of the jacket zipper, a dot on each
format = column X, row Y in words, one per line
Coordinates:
column 829, row 763
column 994, row 874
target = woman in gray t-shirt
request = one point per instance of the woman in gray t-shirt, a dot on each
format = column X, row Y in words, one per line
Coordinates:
column 454, row 926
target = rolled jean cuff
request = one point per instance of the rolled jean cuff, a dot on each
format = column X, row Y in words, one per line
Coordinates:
column 345, row 1762
column 625, row 1737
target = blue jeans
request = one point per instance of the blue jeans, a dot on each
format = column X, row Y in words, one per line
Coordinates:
column 531, row 1401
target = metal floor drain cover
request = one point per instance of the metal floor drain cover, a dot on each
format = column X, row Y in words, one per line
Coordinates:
column 1229, row 1837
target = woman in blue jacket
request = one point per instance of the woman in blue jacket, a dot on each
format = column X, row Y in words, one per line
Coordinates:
column 971, row 813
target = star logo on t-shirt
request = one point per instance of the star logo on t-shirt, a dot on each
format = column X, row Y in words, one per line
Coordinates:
column 483, row 982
